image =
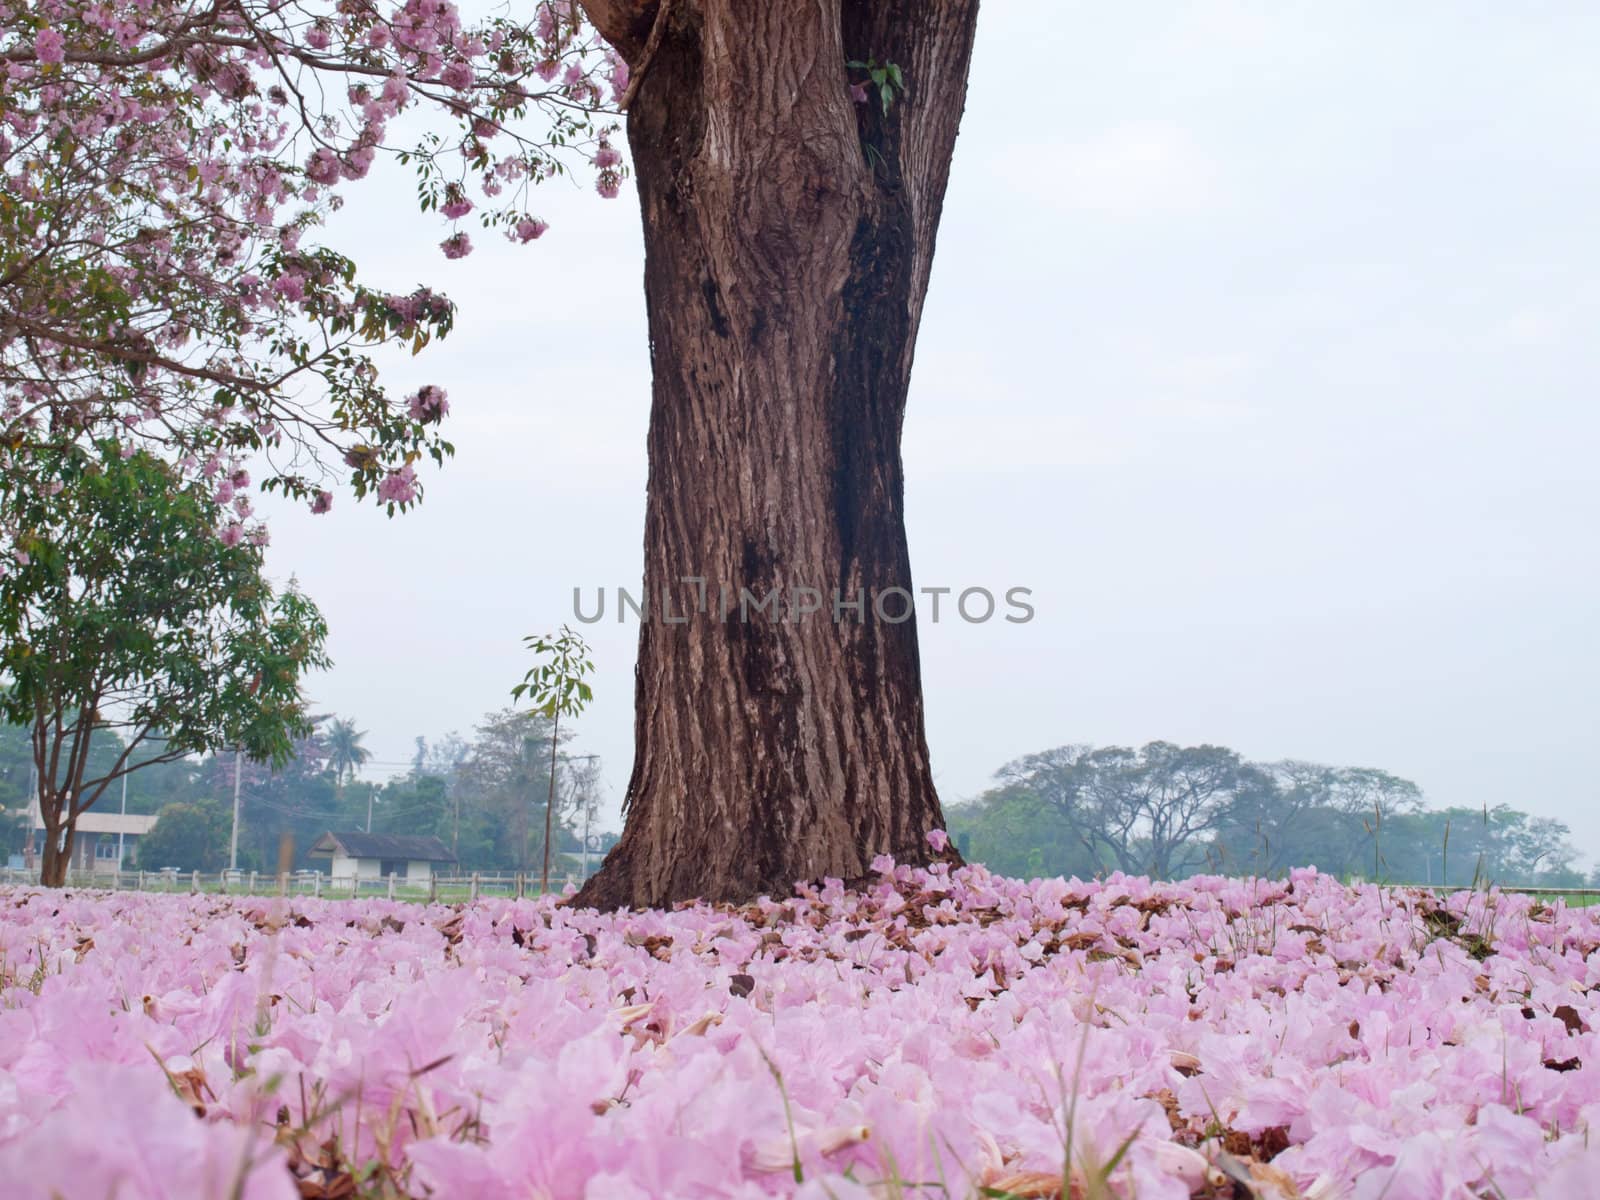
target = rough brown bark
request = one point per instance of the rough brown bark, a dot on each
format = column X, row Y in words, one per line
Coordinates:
column 789, row 233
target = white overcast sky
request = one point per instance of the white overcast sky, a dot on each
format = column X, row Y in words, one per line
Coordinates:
column 1262, row 345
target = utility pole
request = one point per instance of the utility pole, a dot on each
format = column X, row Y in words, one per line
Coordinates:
column 33, row 808
column 550, row 802
column 587, row 781
column 120, row 835
column 587, row 809
column 233, row 839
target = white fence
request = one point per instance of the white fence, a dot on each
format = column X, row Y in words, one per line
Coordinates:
column 452, row 888
column 449, row 888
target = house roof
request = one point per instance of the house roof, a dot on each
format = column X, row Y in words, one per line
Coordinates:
column 96, row 821
column 381, row 845
column 131, row 824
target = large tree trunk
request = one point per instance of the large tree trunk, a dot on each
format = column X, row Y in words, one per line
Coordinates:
column 789, row 233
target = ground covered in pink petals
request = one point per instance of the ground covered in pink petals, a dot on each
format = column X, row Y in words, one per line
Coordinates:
column 934, row 1035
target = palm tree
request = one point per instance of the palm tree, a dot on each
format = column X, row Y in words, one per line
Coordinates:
column 346, row 754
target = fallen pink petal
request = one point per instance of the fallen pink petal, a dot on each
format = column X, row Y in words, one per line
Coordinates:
column 1315, row 1039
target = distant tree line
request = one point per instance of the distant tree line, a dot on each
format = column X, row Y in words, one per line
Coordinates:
column 1161, row 809
column 484, row 797
column 1170, row 811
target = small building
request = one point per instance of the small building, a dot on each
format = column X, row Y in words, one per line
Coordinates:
column 379, row 855
column 101, row 841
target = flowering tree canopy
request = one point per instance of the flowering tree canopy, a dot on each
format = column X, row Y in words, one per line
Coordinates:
column 164, row 168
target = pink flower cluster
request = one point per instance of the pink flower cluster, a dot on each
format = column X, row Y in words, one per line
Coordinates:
column 428, row 404
column 1002, row 1038
column 399, row 487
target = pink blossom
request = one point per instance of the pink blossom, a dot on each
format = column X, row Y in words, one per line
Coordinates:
column 232, row 533
column 398, row 487
column 323, row 166
column 457, row 245
column 619, row 74
column 938, row 839
column 358, row 162
column 950, row 1022
column 290, row 286
column 428, row 404
column 529, row 228
column 321, row 502
column 607, row 156
column 50, row 46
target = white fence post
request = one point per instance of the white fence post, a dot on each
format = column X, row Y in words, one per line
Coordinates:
column 473, row 895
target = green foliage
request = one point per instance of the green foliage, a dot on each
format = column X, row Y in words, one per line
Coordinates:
column 128, row 613
column 16, row 759
column 191, row 836
column 884, row 78
column 1013, row 832
column 345, row 751
column 557, row 690
column 132, row 613
column 556, row 684
column 1293, row 813
column 418, row 805
column 502, row 789
column 1142, row 811
column 1170, row 810
column 1494, row 845
column 484, row 797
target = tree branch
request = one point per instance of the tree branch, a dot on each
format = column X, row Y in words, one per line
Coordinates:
column 626, row 24
column 652, row 44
